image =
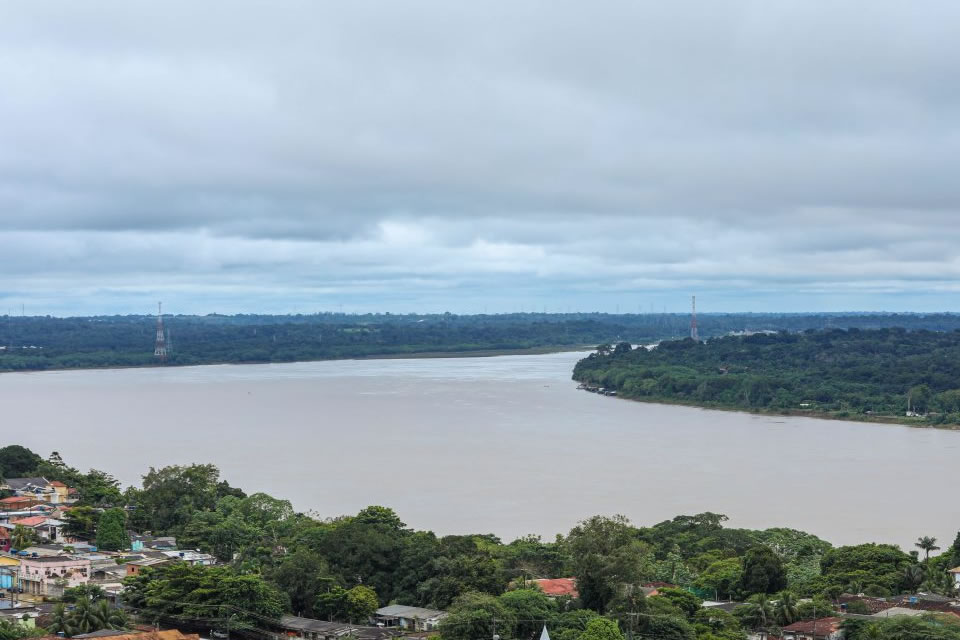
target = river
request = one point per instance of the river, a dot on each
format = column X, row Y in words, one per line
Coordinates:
column 500, row 444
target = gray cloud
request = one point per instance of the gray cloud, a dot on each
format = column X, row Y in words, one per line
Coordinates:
column 253, row 156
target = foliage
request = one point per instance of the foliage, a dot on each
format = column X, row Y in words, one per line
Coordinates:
column 851, row 372
column 763, row 572
column 601, row 629
column 17, row 461
column 353, row 605
column 874, row 569
column 722, row 578
column 530, row 607
column 112, row 530
column 171, row 495
column 928, row 627
column 86, row 616
column 13, row 630
column 683, row 600
column 606, row 553
column 181, row 591
column 22, row 537
column 81, row 522
column 472, row 616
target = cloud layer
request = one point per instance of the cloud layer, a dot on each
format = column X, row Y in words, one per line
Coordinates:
column 237, row 156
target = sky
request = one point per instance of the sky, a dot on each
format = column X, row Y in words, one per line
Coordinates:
column 479, row 157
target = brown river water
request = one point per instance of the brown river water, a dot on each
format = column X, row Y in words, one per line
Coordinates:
column 501, row 444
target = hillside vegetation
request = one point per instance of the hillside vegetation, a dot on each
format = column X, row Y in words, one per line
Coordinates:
column 844, row 373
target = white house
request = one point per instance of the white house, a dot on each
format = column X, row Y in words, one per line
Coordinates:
column 410, row 618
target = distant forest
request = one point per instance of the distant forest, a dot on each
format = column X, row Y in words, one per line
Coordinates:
column 867, row 374
column 33, row 343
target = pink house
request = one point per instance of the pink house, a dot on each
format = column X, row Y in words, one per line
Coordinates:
column 50, row 575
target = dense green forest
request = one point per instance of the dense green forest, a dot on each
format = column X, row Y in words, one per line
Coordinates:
column 877, row 373
column 30, row 343
column 275, row 560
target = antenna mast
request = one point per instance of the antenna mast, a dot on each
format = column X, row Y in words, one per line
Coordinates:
column 693, row 321
column 160, row 350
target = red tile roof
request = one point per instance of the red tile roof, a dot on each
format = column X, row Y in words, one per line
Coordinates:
column 558, row 586
column 15, row 499
column 57, row 483
column 825, row 626
column 32, row 521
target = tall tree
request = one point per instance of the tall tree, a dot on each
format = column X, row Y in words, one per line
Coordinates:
column 17, row 461
column 112, row 530
column 763, row 571
column 928, row 544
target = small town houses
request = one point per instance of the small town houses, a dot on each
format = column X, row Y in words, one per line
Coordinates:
column 59, row 561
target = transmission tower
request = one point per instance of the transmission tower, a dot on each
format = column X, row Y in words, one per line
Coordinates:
column 160, row 350
column 693, row 321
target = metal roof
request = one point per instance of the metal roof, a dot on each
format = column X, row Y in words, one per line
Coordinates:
column 403, row 611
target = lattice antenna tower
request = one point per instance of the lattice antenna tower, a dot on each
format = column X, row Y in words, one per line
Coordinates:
column 693, row 320
column 160, row 350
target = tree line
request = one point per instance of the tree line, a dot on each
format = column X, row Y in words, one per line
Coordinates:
column 36, row 343
column 846, row 373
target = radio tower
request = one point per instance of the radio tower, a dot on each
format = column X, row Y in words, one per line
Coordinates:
column 693, row 321
column 160, row 350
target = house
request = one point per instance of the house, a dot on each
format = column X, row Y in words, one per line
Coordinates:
column 164, row 543
column 20, row 503
column 170, row 634
column 36, row 487
column 50, row 575
column 191, row 557
column 134, row 567
column 556, row 587
column 61, row 492
column 822, row 629
column 46, row 528
column 956, row 576
column 409, row 618
column 4, row 539
column 314, row 629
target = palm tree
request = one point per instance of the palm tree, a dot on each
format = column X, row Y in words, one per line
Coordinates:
column 85, row 618
column 785, row 610
column 912, row 576
column 760, row 615
column 111, row 617
column 928, row 544
column 60, row 621
column 22, row 537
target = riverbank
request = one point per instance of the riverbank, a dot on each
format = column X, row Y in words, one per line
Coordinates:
column 916, row 423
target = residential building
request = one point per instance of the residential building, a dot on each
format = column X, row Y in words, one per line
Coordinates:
column 61, row 492
column 409, row 618
column 822, row 629
column 310, row 629
column 556, row 587
column 192, row 557
column 50, row 575
column 5, row 539
column 47, row 528
column 134, row 567
column 956, row 576
column 36, row 487
column 20, row 503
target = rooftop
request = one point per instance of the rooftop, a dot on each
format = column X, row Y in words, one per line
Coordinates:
column 558, row 586
column 403, row 611
column 823, row 625
column 32, row 521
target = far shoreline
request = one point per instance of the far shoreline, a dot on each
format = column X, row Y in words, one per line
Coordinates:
column 417, row 355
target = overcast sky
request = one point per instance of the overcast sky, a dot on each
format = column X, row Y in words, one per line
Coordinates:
column 470, row 156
